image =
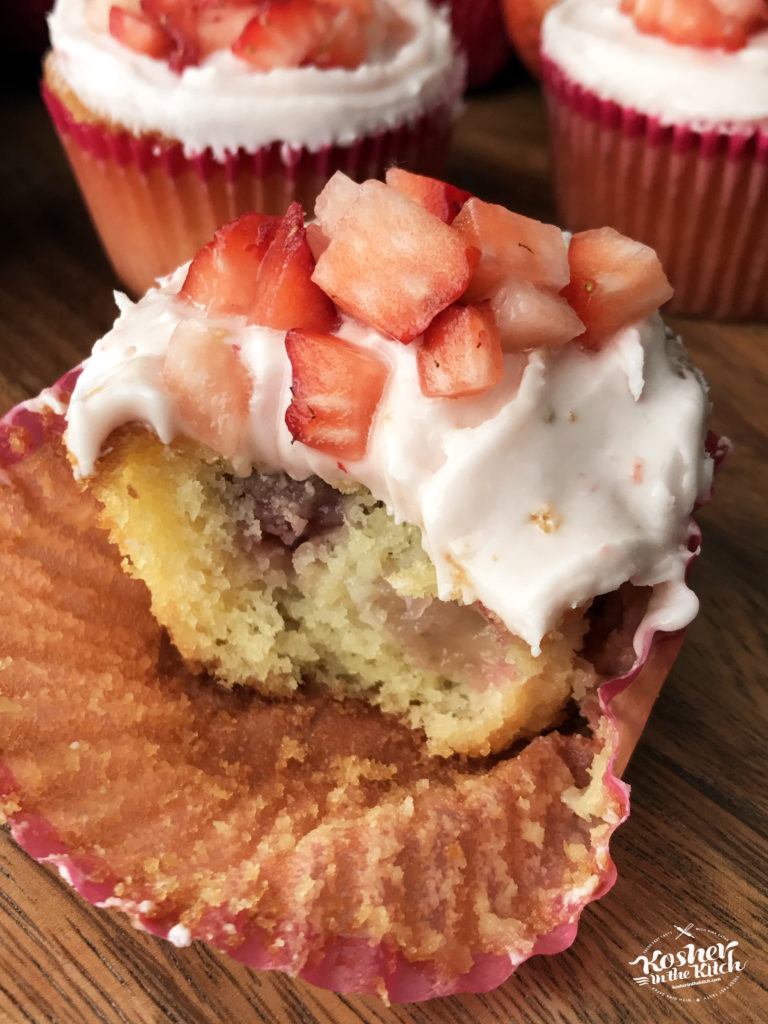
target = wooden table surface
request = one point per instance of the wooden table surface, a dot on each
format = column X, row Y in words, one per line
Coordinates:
column 694, row 850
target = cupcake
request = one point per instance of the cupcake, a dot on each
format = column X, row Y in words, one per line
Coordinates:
column 177, row 117
column 658, row 118
column 369, row 607
column 478, row 26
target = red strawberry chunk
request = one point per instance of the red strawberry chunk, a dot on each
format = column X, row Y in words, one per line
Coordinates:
column 220, row 25
column 706, row 23
column 138, row 32
column 438, row 197
column 178, row 19
column 345, row 44
column 284, row 33
column 392, row 264
column 336, row 389
column 614, row 281
column 203, row 372
column 460, row 354
column 222, row 277
column 531, row 317
column 285, row 295
column 511, row 244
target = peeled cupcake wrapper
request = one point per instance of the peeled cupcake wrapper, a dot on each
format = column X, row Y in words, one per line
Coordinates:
column 132, row 183
column 698, row 197
column 345, row 962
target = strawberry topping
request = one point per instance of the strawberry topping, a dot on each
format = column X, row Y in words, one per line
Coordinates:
column 336, row 389
column 705, row 23
column 614, row 281
column 489, row 283
column 461, row 353
column 438, row 197
column 393, row 264
column 138, row 32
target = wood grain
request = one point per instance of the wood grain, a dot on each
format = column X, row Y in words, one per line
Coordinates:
column 695, row 847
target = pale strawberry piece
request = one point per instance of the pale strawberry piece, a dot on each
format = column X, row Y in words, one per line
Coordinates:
column 336, row 389
column 285, row 295
column 212, row 388
column 316, row 239
column 392, row 264
column 510, row 243
column 460, row 353
column 220, row 25
column 335, row 200
column 524, row 18
column 705, row 23
column 178, row 19
column 284, row 33
column 614, row 281
column 222, row 277
column 345, row 44
column 531, row 317
column 138, row 32
column 438, row 197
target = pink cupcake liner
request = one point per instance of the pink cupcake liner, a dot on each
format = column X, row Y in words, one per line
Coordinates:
column 350, row 963
column 153, row 205
column 699, row 197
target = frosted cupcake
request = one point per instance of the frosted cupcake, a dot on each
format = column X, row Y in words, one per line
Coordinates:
column 176, row 117
column 370, row 607
column 659, row 126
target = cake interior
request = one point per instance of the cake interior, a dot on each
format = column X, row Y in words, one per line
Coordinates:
column 274, row 583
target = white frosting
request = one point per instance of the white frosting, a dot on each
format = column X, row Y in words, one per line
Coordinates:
column 607, row 445
column 600, row 48
column 224, row 104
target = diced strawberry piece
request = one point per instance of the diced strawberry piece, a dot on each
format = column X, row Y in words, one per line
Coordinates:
column 392, row 264
column 614, row 281
column 706, row 23
column 531, row 317
column 460, row 353
column 333, row 203
column 219, row 26
column 438, row 197
column 178, row 19
column 284, row 33
column 524, row 18
column 138, row 32
column 212, row 388
column 223, row 276
column 316, row 239
column 511, row 244
column 345, row 44
column 285, row 295
column 336, row 389
column 96, row 12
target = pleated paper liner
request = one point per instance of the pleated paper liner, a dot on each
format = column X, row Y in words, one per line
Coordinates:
column 308, row 835
column 699, row 197
column 154, row 206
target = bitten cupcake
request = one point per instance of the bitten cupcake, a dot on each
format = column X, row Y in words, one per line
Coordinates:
column 369, row 606
column 659, row 122
column 178, row 116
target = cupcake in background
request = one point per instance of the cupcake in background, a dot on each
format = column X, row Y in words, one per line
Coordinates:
column 177, row 116
column 478, row 26
column 659, row 127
